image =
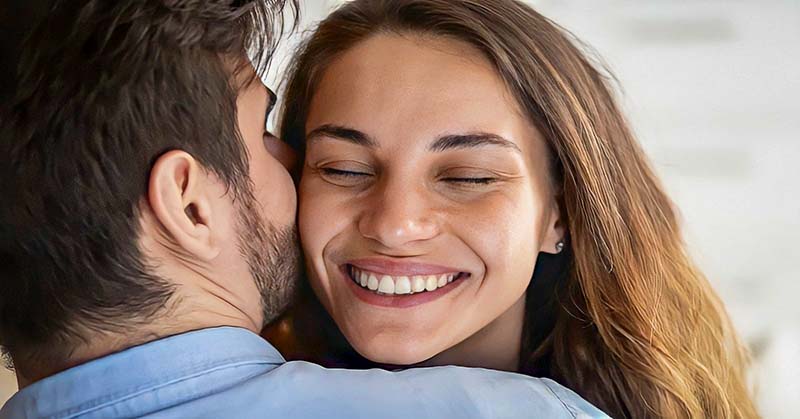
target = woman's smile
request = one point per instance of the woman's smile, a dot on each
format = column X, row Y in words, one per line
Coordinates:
column 400, row 284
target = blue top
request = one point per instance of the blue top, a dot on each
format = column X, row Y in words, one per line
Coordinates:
column 232, row 372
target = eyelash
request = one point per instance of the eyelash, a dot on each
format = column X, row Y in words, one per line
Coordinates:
column 472, row 181
column 342, row 173
column 351, row 174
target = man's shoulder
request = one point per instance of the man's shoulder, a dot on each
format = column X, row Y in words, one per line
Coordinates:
column 575, row 404
column 466, row 392
column 238, row 375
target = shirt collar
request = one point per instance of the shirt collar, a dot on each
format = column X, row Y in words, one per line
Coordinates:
column 141, row 367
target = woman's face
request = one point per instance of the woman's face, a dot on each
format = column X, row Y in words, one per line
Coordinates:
column 424, row 197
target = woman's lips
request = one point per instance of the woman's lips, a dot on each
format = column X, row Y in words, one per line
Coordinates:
column 400, row 287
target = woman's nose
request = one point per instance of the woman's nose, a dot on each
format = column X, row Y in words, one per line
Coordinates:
column 397, row 217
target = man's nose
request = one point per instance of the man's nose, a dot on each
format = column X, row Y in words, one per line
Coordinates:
column 397, row 216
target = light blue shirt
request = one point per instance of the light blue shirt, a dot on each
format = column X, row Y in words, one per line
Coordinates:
column 229, row 372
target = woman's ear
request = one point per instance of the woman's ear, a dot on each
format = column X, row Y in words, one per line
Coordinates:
column 180, row 196
column 556, row 231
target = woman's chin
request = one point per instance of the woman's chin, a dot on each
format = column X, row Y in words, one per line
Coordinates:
column 392, row 360
column 399, row 354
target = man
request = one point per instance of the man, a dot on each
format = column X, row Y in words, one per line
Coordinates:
column 147, row 233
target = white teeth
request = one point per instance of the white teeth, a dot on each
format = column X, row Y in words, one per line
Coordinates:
column 387, row 285
column 418, row 284
column 402, row 285
column 430, row 283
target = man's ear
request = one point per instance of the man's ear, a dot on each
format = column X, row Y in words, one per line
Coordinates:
column 180, row 197
column 556, row 231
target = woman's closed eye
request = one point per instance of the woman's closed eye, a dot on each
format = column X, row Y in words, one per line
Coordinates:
column 471, row 180
column 329, row 171
column 468, row 177
column 341, row 173
column 345, row 175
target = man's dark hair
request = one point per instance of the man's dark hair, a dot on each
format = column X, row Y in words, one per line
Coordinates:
column 102, row 90
column 16, row 17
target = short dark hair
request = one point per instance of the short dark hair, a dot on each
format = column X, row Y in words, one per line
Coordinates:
column 103, row 89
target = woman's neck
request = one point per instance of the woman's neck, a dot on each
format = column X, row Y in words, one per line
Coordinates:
column 496, row 346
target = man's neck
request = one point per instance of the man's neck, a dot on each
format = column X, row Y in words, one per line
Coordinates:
column 496, row 346
column 97, row 345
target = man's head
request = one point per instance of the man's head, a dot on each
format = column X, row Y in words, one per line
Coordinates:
column 138, row 195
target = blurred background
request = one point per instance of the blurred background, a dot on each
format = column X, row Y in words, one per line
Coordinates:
column 712, row 88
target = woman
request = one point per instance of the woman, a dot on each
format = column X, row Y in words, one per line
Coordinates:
column 472, row 195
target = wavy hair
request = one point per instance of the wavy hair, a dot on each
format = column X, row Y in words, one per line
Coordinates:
column 632, row 326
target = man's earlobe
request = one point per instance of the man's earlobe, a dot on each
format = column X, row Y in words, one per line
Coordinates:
column 178, row 193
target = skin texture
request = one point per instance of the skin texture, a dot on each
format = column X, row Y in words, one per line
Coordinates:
column 400, row 201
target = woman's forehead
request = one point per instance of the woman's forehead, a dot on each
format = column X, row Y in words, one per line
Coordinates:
column 393, row 82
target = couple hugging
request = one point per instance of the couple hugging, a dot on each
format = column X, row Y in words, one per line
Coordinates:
column 481, row 234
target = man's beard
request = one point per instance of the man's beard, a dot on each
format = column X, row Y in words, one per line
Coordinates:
column 273, row 256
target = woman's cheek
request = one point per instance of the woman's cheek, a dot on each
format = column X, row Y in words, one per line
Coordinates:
column 314, row 231
column 504, row 232
column 319, row 228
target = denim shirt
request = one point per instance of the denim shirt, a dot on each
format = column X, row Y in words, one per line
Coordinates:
column 230, row 372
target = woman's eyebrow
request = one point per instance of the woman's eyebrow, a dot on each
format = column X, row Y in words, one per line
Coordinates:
column 443, row 143
column 471, row 140
column 340, row 132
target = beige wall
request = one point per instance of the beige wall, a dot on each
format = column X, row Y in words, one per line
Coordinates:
column 8, row 385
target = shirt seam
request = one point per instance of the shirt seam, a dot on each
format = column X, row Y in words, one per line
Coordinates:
column 561, row 400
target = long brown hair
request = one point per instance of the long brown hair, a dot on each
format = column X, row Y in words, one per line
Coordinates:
column 635, row 328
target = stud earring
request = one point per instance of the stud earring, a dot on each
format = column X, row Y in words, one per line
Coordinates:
column 560, row 246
